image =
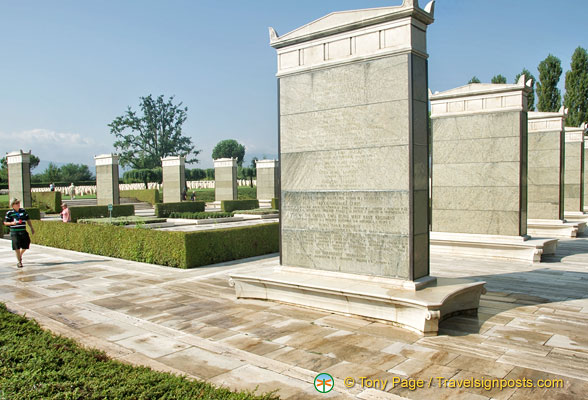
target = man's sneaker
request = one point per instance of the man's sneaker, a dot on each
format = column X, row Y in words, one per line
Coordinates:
column 19, row 265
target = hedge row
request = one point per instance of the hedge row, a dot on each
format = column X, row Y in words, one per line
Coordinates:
column 118, row 210
column 49, row 201
column 275, row 203
column 163, row 210
column 200, row 215
column 34, row 213
column 232, row 205
column 174, row 249
column 148, row 195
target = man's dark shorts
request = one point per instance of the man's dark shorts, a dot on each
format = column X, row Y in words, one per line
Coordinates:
column 20, row 240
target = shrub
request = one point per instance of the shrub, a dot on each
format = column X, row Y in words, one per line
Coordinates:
column 218, row 245
column 151, row 196
column 163, row 210
column 174, row 249
column 118, row 210
column 122, row 220
column 258, row 211
column 200, row 215
column 276, row 203
column 232, row 205
column 246, row 193
column 49, row 201
column 143, row 175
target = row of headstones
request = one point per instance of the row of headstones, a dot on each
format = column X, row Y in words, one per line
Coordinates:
column 174, row 179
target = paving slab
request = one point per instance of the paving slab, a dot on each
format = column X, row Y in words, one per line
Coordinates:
column 532, row 324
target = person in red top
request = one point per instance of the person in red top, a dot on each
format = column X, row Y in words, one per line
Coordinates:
column 65, row 215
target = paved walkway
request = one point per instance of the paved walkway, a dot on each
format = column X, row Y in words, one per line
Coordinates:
column 533, row 323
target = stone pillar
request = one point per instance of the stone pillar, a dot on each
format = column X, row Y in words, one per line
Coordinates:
column 19, row 176
column 353, row 113
column 174, row 178
column 479, row 177
column 545, row 214
column 225, row 179
column 268, row 178
column 574, row 175
column 107, row 191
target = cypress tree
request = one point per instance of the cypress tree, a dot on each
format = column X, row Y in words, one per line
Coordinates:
column 576, row 97
column 548, row 95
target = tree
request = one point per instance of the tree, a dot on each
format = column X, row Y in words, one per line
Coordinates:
column 143, row 140
column 229, row 148
column 474, row 80
column 498, row 79
column 530, row 96
column 576, row 97
column 75, row 173
column 548, row 95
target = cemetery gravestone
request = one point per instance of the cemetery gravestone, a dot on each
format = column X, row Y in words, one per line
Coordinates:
column 354, row 171
column 107, row 190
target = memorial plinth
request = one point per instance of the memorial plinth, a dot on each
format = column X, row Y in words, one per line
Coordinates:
column 545, row 214
column 574, row 175
column 225, row 179
column 479, row 178
column 174, row 178
column 268, row 178
column 107, row 190
column 19, row 176
column 353, row 111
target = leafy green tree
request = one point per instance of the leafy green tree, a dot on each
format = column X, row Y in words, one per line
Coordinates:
column 498, row 79
column 576, row 97
column 51, row 174
column 548, row 95
column 75, row 172
column 474, row 80
column 229, row 148
column 530, row 96
column 144, row 139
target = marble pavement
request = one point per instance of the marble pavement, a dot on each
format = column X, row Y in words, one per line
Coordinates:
column 531, row 323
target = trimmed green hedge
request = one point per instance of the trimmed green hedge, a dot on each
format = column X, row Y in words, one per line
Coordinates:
column 163, row 210
column 276, row 203
column 232, row 205
column 149, row 195
column 118, row 210
column 50, row 201
column 200, row 215
column 247, row 193
column 174, row 249
column 34, row 213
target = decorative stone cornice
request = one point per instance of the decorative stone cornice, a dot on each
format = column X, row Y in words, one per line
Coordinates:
column 547, row 121
column 18, row 157
column 173, row 161
column 225, row 162
column 267, row 163
column 575, row 135
column 348, row 36
column 481, row 98
column 106, row 159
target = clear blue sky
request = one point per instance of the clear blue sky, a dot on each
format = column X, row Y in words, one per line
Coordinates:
column 68, row 68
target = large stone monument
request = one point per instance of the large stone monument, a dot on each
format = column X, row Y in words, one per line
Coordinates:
column 354, row 172
column 479, row 178
column 107, row 191
column 174, row 178
column 574, row 176
column 225, row 179
column 268, row 178
column 19, row 176
column 545, row 214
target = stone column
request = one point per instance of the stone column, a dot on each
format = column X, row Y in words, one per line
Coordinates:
column 480, row 171
column 353, row 113
column 268, row 178
column 545, row 214
column 225, row 179
column 174, row 178
column 107, row 191
column 19, row 176
column 574, row 175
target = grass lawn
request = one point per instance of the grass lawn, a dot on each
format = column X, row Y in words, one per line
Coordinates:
column 243, row 192
column 35, row 364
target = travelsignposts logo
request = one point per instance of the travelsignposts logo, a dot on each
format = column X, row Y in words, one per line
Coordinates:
column 324, row 383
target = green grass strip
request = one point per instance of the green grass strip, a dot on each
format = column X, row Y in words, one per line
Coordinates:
column 35, row 364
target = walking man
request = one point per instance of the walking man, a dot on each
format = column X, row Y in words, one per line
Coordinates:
column 17, row 219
